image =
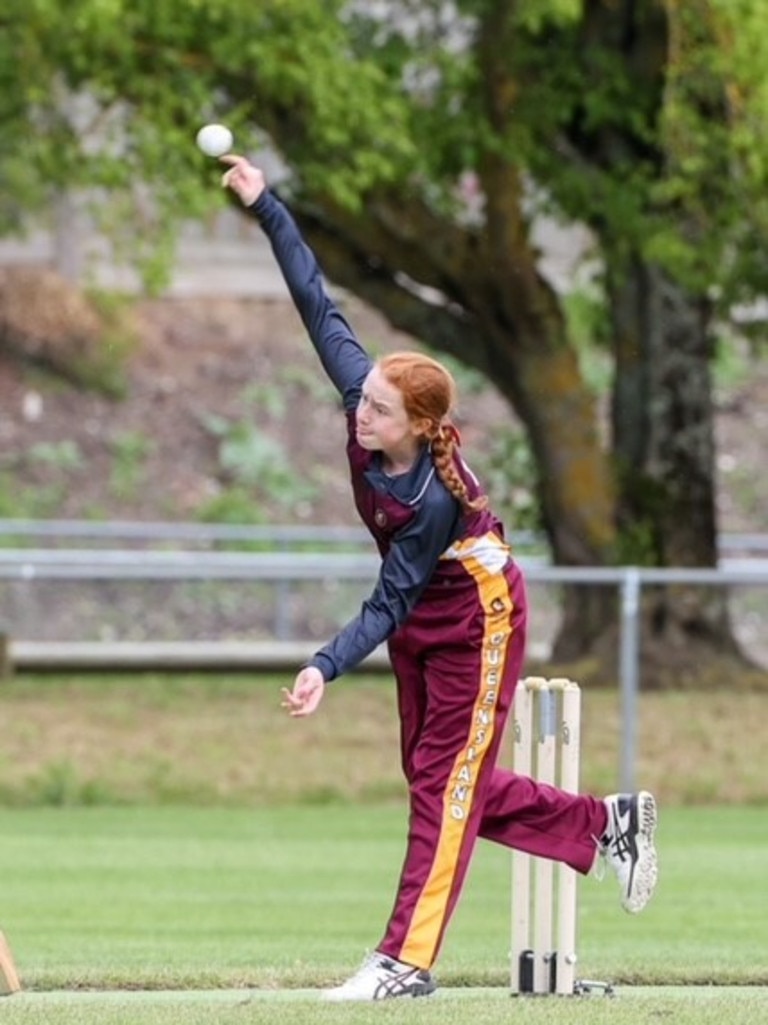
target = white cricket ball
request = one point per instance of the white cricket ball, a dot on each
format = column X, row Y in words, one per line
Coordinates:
column 215, row 140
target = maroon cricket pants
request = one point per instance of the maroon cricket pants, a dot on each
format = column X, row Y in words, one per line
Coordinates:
column 457, row 661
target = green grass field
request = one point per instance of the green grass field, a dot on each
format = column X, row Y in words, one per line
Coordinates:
column 147, row 878
column 292, row 897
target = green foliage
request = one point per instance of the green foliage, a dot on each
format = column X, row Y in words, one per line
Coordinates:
column 586, row 315
column 637, row 544
column 265, row 399
column 254, row 463
column 58, row 786
column 537, row 15
column 130, row 451
column 105, row 368
column 661, row 151
column 111, row 94
column 234, row 504
column 734, row 360
column 660, row 146
column 508, row 471
column 65, row 455
column 301, row 379
column 30, row 502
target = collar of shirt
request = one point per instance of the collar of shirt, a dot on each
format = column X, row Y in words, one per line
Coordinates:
column 406, row 487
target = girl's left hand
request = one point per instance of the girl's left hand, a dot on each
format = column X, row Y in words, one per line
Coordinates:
column 307, row 693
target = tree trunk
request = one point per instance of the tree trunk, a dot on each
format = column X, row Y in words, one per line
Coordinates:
column 664, row 449
column 662, row 420
column 543, row 383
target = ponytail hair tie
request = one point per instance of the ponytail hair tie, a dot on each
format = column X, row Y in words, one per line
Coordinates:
column 449, row 429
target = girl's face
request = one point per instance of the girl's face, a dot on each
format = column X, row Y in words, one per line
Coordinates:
column 382, row 422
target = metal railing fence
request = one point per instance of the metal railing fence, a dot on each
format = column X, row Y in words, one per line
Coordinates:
column 283, row 568
column 211, row 534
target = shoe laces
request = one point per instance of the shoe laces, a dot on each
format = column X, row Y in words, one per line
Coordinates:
column 615, row 844
column 598, row 868
column 376, row 961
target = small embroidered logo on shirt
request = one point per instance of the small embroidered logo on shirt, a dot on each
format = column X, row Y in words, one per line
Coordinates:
column 380, row 518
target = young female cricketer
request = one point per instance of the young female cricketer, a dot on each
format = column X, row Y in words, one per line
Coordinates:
column 450, row 604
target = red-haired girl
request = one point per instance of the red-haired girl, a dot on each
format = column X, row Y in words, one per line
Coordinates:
column 450, row 604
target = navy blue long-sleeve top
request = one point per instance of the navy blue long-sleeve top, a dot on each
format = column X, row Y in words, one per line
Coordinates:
column 412, row 516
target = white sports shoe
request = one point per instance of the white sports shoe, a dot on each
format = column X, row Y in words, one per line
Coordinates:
column 628, row 846
column 381, row 977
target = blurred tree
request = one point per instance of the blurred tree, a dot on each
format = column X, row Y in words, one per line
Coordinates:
column 423, row 138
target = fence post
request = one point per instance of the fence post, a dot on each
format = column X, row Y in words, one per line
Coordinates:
column 629, row 654
column 6, row 665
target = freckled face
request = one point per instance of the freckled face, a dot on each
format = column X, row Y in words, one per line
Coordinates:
column 382, row 422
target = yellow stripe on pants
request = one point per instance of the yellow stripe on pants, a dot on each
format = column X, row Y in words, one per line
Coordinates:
column 428, row 919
